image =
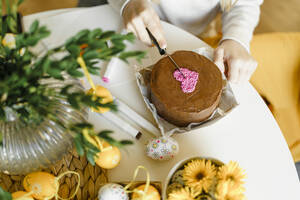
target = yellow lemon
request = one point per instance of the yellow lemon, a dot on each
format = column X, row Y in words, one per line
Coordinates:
column 42, row 184
column 106, row 97
column 152, row 193
column 108, row 158
column 21, row 194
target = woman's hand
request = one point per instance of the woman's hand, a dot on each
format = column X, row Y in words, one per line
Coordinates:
column 139, row 15
column 240, row 63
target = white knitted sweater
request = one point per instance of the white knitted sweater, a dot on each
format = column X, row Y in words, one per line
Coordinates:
column 194, row 15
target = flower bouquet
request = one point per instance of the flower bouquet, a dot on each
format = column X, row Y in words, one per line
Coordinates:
column 205, row 179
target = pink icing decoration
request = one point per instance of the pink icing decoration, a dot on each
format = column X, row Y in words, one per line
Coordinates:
column 189, row 82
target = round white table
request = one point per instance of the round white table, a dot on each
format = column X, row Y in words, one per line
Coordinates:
column 249, row 134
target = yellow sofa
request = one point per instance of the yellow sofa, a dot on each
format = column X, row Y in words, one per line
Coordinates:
column 278, row 79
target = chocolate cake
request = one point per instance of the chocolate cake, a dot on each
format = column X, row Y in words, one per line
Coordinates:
column 177, row 97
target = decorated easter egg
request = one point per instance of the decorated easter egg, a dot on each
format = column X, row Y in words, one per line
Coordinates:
column 112, row 191
column 104, row 94
column 42, row 184
column 178, row 177
column 162, row 148
column 151, row 194
column 22, row 194
column 109, row 157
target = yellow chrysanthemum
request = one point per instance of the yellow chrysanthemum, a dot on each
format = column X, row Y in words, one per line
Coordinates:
column 232, row 197
column 232, row 172
column 204, row 196
column 199, row 174
column 228, row 188
column 183, row 194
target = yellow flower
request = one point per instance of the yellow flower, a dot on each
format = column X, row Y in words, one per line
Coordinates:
column 232, row 172
column 183, row 194
column 228, row 189
column 199, row 174
column 232, row 197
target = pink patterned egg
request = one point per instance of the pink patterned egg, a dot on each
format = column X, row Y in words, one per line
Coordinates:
column 162, row 148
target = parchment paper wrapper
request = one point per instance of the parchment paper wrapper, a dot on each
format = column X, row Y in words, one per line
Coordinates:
column 227, row 102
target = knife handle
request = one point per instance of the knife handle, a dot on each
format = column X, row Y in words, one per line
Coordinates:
column 161, row 51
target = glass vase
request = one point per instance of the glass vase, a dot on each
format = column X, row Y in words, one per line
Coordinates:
column 29, row 147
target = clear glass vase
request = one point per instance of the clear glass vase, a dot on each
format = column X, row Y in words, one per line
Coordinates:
column 27, row 148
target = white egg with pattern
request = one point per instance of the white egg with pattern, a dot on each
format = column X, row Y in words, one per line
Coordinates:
column 112, row 191
column 162, row 148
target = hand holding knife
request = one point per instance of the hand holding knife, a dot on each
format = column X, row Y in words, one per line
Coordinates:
column 163, row 51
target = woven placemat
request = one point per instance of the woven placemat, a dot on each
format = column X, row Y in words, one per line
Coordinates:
column 91, row 178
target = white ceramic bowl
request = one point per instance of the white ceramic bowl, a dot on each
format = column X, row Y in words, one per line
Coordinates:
column 180, row 165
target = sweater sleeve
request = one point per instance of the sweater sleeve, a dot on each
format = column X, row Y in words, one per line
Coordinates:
column 239, row 23
column 118, row 5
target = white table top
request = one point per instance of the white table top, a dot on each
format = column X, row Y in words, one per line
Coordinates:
column 249, row 134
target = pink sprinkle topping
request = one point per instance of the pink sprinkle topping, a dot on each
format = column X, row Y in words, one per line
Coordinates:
column 105, row 79
column 189, row 82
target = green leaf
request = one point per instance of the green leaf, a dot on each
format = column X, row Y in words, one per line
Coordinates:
column 5, row 195
column 129, row 54
column 105, row 133
column 1, row 20
column 8, row 10
column 126, row 142
column 78, row 145
column 95, row 33
column 97, row 45
column 14, row 9
column 73, row 102
column 1, row 138
column 46, row 65
column 74, row 50
column 55, row 72
column 20, row 2
column 81, row 34
column 90, row 157
column 130, row 37
column 33, row 27
column 11, row 23
column 2, row 114
column 75, row 73
column 32, row 41
column 107, row 34
column 90, row 55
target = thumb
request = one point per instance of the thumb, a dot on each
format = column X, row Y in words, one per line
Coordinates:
column 219, row 59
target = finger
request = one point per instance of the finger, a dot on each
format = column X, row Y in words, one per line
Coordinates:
column 244, row 75
column 141, row 31
column 233, row 71
column 158, row 34
column 156, row 29
column 219, row 59
column 130, row 28
column 250, row 70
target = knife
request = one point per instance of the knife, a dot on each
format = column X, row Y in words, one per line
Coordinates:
column 163, row 51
